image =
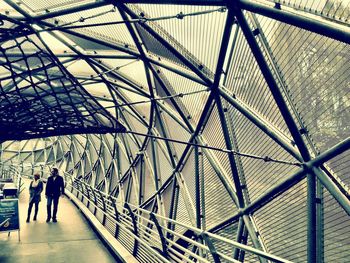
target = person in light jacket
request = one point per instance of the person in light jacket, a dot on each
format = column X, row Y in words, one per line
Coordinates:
column 54, row 189
column 35, row 189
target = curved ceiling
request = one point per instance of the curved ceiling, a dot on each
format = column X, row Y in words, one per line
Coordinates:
column 195, row 109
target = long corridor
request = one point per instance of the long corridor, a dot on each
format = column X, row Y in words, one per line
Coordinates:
column 71, row 239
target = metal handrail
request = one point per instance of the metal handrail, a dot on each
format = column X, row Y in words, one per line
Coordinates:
column 140, row 215
column 137, row 222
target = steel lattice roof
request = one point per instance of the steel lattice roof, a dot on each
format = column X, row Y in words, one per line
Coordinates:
column 143, row 97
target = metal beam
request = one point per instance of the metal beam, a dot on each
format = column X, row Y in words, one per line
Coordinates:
column 214, row 87
column 334, row 190
column 293, row 179
column 51, row 14
column 289, row 120
column 311, row 218
column 260, row 123
column 132, row 52
column 320, row 27
column 176, row 2
column 332, row 152
column 170, row 47
column 74, row 55
column 275, row 90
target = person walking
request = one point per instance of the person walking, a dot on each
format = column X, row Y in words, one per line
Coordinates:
column 35, row 188
column 54, row 189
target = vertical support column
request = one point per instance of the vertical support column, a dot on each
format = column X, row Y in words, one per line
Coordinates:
column 319, row 222
column 155, row 163
column 77, row 186
column 244, row 241
column 311, row 217
column 197, row 187
column 142, row 179
column 202, row 196
column 202, row 192
column 239, row 237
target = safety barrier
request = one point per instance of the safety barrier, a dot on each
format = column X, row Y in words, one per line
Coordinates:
column 151, row 237
column 148, row 236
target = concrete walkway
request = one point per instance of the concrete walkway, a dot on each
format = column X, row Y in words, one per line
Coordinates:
column 68, row 240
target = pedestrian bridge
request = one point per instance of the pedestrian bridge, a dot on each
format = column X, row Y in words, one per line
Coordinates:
column 185, row 130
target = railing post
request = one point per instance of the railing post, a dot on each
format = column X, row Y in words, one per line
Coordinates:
column 78, row 187
column 83, row 194
column 104, row 207
column 116, row 216
column 133, row 218
column 161, row 235
column 95, row 199
column 211, row 247
column 71, row 182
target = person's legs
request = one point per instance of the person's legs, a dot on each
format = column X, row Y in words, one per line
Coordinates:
column 36, row 210
column 49, row 203
column 55, row 208
column 29, row 211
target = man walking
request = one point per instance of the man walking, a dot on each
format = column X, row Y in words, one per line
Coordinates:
column 54, row 189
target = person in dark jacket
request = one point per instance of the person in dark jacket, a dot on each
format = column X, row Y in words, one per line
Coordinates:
column 35, row 188
column 54, row 189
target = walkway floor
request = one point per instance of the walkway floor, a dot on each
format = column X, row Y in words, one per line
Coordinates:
column 69, row 240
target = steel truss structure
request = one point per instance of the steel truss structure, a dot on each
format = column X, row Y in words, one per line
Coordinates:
column 214, row 120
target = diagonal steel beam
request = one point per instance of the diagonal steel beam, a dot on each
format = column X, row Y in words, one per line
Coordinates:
column 146, row 65
column 70, row 10
column 273, row 86
column 293, row 179
column 74, row 55
column 320, row 27
column 261, row 123
column 176, row 52
column 215, row 90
